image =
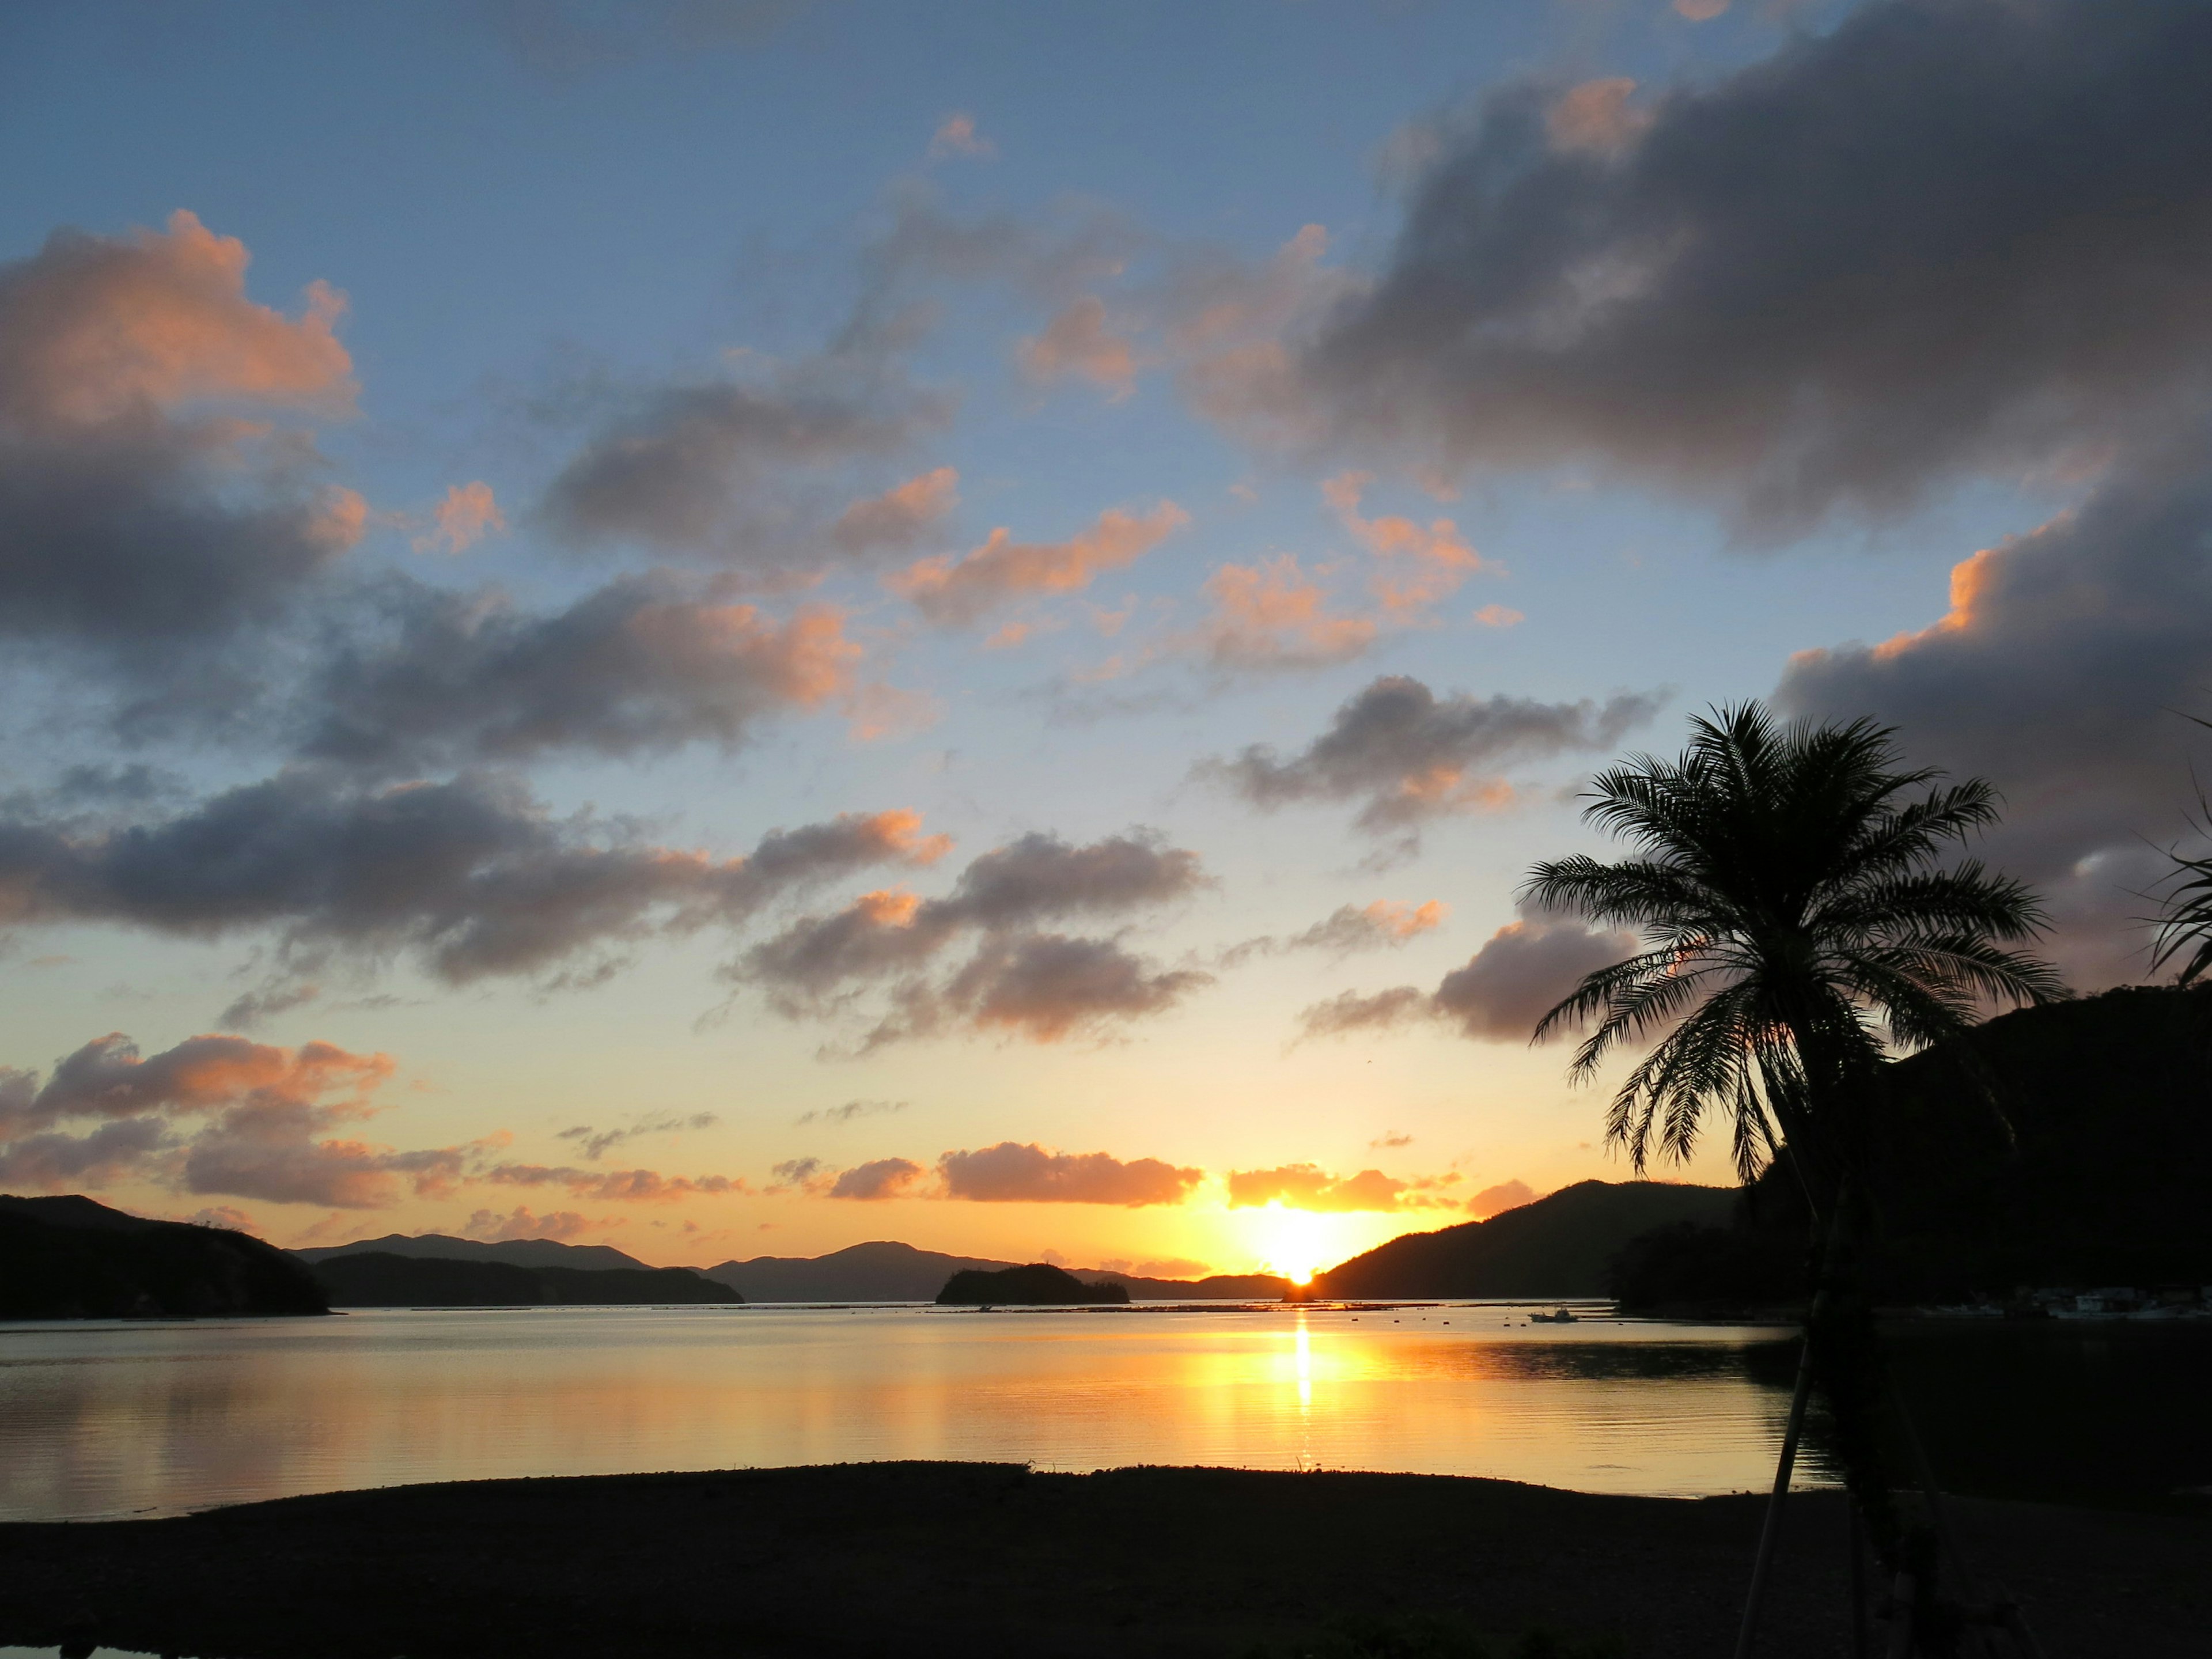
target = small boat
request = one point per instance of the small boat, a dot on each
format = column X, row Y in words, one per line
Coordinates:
column 1561, row 1317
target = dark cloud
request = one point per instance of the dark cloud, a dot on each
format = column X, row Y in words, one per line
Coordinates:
column 473, row 876
column 851, row 1109
column 215, row 1114
column 1408, row 755
column 647, row 663
column 138, row 511
column 254, row 1009
column 1019, row 978
column 596, row 1142
column 697, row 471
column 2061, row 674
column 614, row 1186
column 1384, row 925
column 520, row 1223
column 1309, row 1187
column 1013, row 1172
column 886, row 1177
column 1505, row 987
column 1945, row 236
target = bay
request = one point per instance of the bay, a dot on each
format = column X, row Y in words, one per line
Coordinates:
column 103, row 1419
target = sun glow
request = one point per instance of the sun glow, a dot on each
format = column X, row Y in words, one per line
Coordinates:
column 1291, row 1243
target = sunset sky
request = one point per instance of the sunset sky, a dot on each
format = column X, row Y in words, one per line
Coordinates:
column 730, row 627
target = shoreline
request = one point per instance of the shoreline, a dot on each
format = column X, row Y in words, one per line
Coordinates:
column 925, row 1559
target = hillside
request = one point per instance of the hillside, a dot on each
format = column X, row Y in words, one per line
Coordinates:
column 382, row 1281
column 1036, row 1285
column 519, row 1252
column 884, row 1271
column 1557, row 1246
column 1218, row 1287
column 70, row 1258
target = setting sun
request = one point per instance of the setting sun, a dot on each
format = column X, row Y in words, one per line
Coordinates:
column 1291, row 1243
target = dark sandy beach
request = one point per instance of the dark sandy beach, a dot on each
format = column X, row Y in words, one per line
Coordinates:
column 975, row 1560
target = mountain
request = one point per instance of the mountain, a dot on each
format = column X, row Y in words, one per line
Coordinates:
column 2066, row 1145
column 1557, row 1246
column 1220, row 1287
column 521, row 1252
column 381, row 1280
column 70, row 1258
column 881, row 1272
column 1038, row 1284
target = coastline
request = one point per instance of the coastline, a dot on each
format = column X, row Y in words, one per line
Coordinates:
column 980, row 1559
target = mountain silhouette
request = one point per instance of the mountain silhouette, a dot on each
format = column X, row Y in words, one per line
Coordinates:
column 71, row 1258
column 521, row 1252
column 381, row 1280
column 1558, row 1246
column 1037, row 1284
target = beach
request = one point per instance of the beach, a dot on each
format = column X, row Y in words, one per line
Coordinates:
column 923, row 1559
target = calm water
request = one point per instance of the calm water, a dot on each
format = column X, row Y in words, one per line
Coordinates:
column 114, row 1419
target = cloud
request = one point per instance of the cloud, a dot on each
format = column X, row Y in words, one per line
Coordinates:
column 1308, row 1186
column 955, row 590
column 157, row 487
column 465, row 517
column 1018, row 980
column 1013, row 1172
column 1700, row 11
column 596, row 1142
column 1389, row 1139
column 1521, row 970
column 1420, row 565
column 645, row 664
column 851, row 1109
column 1382, row 925
column 1505, row 1195
column 614, row 1186
column 560, row 1224
column 1271, row 615
column 902, row 516
column 264, row 1117
column 696, row 469
column 1080, row 342
column 1799, row 288
column 886, row 1177
column 956, row 136
column 1408, row 755
column 2061, row 672
column 253, row 1009
column 474, row 878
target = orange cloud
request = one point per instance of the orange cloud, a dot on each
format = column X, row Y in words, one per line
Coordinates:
column 953, row 590
column 465, row 517
column 1594, row 117
column 1700, row 11
column 1499, row 616
column 956, row 136
column 1505, row 1195
column 1308, row 1186
column 1426, row 564
column 1080, row 342
column 1271, row 614
column 901, row 516
column 159, row 319
column 1014, row 1173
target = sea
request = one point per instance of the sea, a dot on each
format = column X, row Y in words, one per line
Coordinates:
column 102, row 1420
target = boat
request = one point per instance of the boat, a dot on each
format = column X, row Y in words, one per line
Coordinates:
column 1560, row 1317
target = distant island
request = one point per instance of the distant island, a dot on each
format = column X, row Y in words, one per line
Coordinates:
column 523, row 1252
column 887, row 1270
column 1039, row 1284
column 71, row 1258
column 383, row 1279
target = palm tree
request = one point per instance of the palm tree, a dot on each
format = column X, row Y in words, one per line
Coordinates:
column 1799, row 920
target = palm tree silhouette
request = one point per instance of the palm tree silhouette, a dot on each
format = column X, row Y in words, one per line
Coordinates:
column 1799, row 921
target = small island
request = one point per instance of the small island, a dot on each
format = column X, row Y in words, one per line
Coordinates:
column 1038, row 1284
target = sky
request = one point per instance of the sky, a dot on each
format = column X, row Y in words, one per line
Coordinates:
column 730, row 627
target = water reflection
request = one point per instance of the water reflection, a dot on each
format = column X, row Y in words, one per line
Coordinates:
column 102, row 1420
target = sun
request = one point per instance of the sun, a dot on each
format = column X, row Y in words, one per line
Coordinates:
column 1291, row 1243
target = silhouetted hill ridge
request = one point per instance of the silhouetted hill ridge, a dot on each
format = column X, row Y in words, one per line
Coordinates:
column 521, row 1252
column 380, row 1279
column 1035, row 1284
column 69, row 1257
column 1557, row 1246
